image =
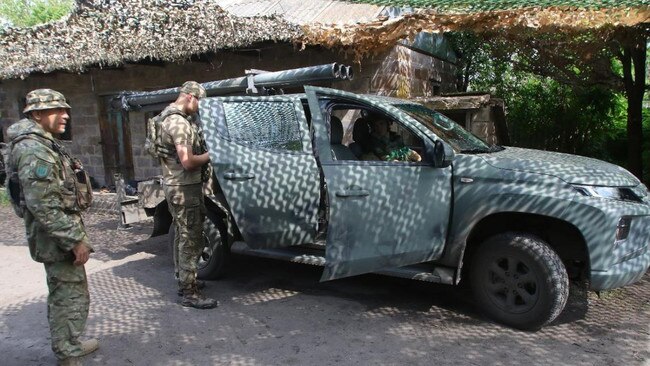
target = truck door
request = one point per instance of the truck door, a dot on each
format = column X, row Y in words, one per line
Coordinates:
column 382, row 214
column 262, row 156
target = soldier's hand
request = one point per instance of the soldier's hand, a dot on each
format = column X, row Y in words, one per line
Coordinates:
column 81, row 254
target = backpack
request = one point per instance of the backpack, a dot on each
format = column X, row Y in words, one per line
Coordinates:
column 12, row 183
column 153, row 140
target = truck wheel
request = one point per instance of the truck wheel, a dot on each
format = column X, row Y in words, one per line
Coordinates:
column 212, row 263
column 518, row 280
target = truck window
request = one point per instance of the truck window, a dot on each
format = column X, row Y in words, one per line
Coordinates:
column 459, row 138
column 267, row 124
column 373, row 136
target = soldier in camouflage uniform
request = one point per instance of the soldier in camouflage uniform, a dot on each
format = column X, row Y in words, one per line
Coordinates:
column 55, row 231
column 183, row 190
column 387, row 145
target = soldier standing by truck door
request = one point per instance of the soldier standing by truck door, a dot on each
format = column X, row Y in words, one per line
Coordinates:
column 183, row 188
column 49, row 189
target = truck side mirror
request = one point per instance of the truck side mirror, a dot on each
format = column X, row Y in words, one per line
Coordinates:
column 440, row 154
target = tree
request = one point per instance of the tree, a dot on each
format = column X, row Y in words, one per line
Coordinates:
column 544, row 114
column 586, row 59
column 632, row 53
column 571, row 41
column 471, row 56
column 26, row 13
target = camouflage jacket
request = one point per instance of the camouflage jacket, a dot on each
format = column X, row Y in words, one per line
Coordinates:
column 52, row 219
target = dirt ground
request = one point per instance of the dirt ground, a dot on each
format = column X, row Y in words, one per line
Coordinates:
column 277, row 313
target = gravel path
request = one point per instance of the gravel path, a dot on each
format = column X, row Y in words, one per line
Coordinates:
column 276, row 313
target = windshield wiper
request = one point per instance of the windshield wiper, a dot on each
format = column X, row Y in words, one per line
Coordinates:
column 481, row 150
column 475, row 151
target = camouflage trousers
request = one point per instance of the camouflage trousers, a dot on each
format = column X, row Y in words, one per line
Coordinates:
column 188, row 211
column 67, row 307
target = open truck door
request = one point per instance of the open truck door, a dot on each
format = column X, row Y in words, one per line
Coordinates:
column 382, row 214
column 262, row 157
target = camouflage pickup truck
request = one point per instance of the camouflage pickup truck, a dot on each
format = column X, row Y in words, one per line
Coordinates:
column 293, row 181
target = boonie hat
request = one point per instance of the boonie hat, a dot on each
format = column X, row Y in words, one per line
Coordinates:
column 41, row 99
column 194, row 88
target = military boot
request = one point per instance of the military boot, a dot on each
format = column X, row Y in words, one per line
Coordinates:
column 89, row 346
column 70, row 361
column 199, row 285
column 194, row 299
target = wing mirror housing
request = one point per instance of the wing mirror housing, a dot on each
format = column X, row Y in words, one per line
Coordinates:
column 439, row 154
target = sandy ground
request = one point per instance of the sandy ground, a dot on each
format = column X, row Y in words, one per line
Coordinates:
column 277, row 313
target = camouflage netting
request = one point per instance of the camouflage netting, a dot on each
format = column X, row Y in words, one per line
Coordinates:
column 490, row 5
column 111, row 32
column 364, row 39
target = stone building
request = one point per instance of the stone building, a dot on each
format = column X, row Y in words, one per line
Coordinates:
column 108, row 46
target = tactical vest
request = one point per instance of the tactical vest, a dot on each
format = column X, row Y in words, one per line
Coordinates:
column 153, row 140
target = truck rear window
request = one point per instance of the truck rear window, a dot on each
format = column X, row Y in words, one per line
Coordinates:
column 268, row 124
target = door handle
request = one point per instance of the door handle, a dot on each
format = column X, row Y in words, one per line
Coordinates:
column 353, row 193
column 238, row 176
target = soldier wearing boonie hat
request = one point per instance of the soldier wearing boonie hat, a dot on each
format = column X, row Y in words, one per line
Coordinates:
column 193, row 88
column 41, row 99
column 183, row 186
column 43, row 182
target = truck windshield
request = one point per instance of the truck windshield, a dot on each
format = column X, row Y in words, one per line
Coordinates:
column 459, row 138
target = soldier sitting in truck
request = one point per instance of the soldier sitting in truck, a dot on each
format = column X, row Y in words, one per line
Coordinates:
column 387, row 145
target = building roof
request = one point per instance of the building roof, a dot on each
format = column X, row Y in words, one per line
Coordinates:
column 112, row 32
column 104, row 33
column 306, row 12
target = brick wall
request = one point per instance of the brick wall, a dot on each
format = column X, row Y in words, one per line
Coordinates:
column 483, row 126
column 5, row 120
column 399, row 72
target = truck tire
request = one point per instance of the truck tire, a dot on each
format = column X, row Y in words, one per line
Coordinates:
column 518, row 280
column 212, row 264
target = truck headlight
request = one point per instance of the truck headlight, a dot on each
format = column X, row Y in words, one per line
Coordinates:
column 612, row 193
column 623, row 228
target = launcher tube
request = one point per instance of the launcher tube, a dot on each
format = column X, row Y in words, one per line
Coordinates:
column 285, row 78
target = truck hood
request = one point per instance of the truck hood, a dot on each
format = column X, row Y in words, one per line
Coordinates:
column 570, row 168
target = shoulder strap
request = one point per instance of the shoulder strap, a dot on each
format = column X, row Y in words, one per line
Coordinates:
column 33, row 136
column 170, row 112
column 52, row 144
column 30, row 135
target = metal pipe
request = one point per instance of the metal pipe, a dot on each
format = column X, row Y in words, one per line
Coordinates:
column 341, row 70
column 349, row 72
column 299, row 76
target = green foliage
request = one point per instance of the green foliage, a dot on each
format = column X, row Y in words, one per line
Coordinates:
column 544, row 114
column 646, row 147
column 472, row 55
column 4, row 199
column 26, row 13
column 553, row 113
column 488, row 5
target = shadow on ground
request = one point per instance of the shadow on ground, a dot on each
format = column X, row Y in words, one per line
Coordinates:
column 274, row 313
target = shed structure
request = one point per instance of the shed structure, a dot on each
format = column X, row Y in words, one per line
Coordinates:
column 107, row 46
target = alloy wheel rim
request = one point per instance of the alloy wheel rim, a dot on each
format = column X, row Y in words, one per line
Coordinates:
column 511, row 284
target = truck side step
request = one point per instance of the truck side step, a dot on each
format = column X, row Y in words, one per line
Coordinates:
column 313, row 255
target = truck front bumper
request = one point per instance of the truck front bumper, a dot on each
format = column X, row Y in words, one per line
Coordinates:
column 617, row 234
column 623, row 273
